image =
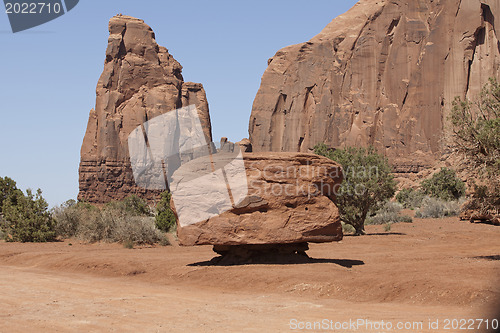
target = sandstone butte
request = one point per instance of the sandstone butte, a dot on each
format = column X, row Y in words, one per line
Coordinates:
column 140, row 81
column 385, row 73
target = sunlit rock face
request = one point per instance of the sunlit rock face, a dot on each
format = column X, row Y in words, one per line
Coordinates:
column 385, row 73
column 140, row 81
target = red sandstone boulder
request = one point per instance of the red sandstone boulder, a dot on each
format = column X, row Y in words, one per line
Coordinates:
column 290, row 200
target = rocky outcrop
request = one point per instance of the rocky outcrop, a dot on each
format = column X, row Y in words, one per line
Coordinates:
column 245, row 145
column 476, row 215
column 384, row 73
column 140, row 81
column 290, row 200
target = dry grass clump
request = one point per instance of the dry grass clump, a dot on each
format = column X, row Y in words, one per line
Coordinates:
column 389, row 213
column 116, row 222
column 437, row 208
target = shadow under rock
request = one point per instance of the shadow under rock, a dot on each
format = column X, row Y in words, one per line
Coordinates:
column 378, row 234
column 492, row 257
column 285, row 260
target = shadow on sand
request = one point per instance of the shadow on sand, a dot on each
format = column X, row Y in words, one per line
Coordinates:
column 284, row 260
column 493, row 257
column 378, row 234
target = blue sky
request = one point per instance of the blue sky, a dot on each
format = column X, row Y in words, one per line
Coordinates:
column 48, row 74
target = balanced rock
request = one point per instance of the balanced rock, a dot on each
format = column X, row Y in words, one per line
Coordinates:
column 385, row 73
column 290, row 200
column 140, row 81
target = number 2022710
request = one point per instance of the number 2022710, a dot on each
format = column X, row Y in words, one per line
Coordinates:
column 32, row 8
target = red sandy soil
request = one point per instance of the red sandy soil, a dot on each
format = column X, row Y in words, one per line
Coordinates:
column 432, row 269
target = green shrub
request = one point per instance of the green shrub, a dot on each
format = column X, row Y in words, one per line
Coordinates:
column 476, row 129
column 410, row 198
column 3, row 226
column 7, row 188
column 476, row 134
column 388, row 213
column 165, row 217
column 444, row 185
column 368, row 183
column 387, row 227
column 437, row 208
column 27, row 218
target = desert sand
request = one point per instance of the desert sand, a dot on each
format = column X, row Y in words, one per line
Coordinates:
column 431, row 269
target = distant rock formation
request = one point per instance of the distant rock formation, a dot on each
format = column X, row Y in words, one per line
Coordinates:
column 290, row 200
column 243, row 145
column 385, row 73
column 140, row 81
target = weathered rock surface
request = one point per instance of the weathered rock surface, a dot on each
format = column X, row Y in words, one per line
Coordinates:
column 476, row 215
column 290, row 200
column 245, row 145
column 384, row 73
column 140, row 81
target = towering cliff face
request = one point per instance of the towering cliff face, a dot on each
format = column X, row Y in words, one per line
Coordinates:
column 140, row 81
column 385, row 73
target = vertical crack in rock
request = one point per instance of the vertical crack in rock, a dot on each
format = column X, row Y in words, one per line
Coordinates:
column 469, row 70
column 278, row 120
